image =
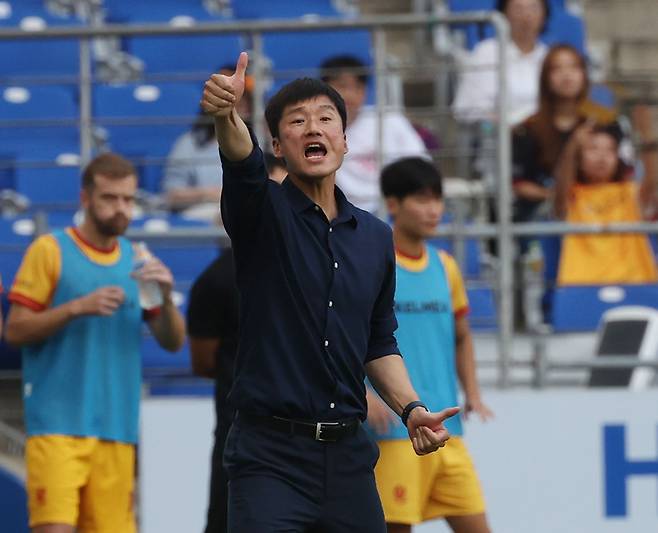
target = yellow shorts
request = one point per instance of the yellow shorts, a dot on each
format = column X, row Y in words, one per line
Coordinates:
column 415, row 488
column 81, row 481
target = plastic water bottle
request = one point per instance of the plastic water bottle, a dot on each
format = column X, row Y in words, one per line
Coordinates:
column 150, row 295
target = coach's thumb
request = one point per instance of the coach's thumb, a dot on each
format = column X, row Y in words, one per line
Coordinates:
column 241, row 66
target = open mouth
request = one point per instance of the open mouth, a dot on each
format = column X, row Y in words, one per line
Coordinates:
column 315, row 151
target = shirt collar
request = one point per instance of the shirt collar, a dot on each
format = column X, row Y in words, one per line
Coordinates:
column 300, row 202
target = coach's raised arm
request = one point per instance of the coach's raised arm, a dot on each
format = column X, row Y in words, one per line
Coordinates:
column 221, row 95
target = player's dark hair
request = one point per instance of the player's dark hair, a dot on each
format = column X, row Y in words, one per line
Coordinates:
column 409, row 176
column 109, row 165
column 502, row 6
column 297, row 91
column 344, row 64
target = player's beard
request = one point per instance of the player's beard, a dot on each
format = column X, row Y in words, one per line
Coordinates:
column 110, row 227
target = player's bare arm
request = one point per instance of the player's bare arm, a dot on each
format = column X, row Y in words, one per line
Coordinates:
column 168, row 326
column 27, row 326
column 466, row 371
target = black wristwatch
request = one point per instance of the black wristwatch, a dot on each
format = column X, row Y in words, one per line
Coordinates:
column 410, row 407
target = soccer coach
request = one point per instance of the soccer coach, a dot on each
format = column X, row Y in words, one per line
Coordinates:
column 316, row 278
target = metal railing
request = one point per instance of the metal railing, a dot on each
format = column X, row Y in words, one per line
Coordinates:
column 504, row 231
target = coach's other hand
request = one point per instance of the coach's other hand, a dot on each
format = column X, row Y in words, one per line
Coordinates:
column 222, row 93
column 426, row 430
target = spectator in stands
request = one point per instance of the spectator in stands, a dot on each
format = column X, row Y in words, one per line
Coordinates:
column 212, row 324
column 477, row 90
column 594, row 185
column 433, row 333
column 76, row 314
column 358, row 178
column 539, row 140
column 193, row 176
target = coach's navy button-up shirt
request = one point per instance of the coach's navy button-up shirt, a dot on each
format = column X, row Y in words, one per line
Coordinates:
column 316, row 297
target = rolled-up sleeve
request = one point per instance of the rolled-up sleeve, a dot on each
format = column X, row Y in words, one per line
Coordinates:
column 383, row 323
column 244, row 192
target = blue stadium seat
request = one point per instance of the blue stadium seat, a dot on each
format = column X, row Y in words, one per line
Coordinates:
column 40, row 57
column 565, row 28
column 54, row 187
column 181, row 12
column 22, row 104
column 16, row 234
column 472, row 267
column 562, row 26
column 151, row 118
column 13, row 503
column 157, row 362
column 311, row 49
column 31, row 14
column 159, row 386
column 35, row 146
column 266, row 9
column 483, row 313
column 579, row 308
column 202, row 54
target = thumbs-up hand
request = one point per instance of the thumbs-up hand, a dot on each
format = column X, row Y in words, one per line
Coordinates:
column 222, row 93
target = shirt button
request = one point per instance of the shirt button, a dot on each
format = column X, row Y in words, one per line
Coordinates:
column 331, row 303
column 331, row 229
column 336, row 265
column 317, row 208
column 332, row 405
column 326, row 343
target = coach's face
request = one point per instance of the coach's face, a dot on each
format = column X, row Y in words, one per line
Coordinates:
column 311, row 138
column 109, row 203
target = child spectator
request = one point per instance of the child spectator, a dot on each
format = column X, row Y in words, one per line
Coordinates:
column 539, row 140
column 593, row 185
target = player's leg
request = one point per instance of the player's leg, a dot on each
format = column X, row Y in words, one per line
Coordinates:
column 469, row 524
column 57, row 469
column 53, row 528
column 457, row 495
column 404, row 481
column 106, row 502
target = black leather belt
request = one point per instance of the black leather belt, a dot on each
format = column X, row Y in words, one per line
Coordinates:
column 320, row 431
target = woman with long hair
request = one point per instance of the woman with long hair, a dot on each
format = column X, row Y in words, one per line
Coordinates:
column 538, row 142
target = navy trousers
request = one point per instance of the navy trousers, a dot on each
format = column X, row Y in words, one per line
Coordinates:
column 280, row 482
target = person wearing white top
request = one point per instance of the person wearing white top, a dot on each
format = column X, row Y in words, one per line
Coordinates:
column 358, row 177
column 477, row 90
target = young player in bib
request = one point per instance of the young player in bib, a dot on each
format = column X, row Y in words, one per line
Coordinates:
column 433, row 333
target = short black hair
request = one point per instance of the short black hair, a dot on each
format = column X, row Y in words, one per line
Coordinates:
column 336, row 65
column 297, row 91
column 272, row 162
column 502, row 6
column 409, row 176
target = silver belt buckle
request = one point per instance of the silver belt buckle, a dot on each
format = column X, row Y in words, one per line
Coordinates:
column 318, row 430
